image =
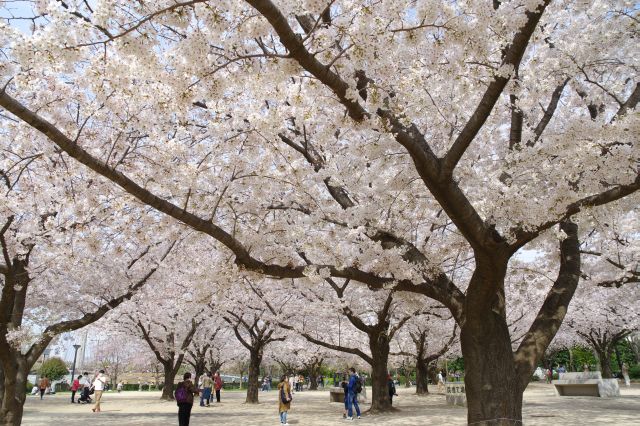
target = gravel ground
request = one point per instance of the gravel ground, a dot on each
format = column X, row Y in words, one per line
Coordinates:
column 541, row 407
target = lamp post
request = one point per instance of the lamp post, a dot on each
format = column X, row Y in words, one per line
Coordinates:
column 75, row 354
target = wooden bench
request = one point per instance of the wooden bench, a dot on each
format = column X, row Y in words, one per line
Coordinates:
column 336, row 394
column 586, row 384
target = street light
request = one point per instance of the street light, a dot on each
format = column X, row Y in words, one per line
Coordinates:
column 75, row 354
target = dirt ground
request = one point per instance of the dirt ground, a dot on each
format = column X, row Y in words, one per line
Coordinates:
column 541, row 407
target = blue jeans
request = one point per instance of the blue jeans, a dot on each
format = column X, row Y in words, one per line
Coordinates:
column 352, row 400
column 206, row 395
column 283, row 417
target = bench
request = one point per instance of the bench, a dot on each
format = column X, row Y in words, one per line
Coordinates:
column 586, row 384
column 336, row 394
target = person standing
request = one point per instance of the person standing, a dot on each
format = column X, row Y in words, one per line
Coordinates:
column 392, row 388
column 345, row 387
column 184, row 398
column 74, row 388
column 98, row 387
column 207, row 384
column 218, row 383
column 43, row 385
column 284, row 399
column 352, row 393
column 625, row 374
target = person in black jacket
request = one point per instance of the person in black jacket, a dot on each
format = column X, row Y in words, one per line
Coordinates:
column 392, row 388
column 184, row 398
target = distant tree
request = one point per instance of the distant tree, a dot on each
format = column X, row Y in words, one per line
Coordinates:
column 54, row 369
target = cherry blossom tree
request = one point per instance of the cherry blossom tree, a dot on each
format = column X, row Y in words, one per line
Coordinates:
column 372, row 323
column 255, row 335
column 201, row 354
column 54, row 281
column 425, row 340
column 352, row 133
column 167, row 326
column 602, row 318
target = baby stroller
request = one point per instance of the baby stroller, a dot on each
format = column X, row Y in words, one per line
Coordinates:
column 84, row 397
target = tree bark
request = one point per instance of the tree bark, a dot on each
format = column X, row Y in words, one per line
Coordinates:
column 13, row 397
column 494, row 395
column 169, row 377
column 605, row 364
column 313, row 370
column 255, row 359
column 422, row 378
column 313, row 381
column 380, row 401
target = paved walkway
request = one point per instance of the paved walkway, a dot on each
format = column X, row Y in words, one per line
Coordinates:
column 541, row 407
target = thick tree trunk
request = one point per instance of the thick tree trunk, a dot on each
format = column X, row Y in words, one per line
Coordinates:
column 380, row 401
column 313, row 381
column 313, row 369
column 604, row 358
column 494, row 394
column 169, row 377
column 13, row 398
column 422, row 377
column 255, row 359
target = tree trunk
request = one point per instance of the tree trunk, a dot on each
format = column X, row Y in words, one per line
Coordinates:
column 313, row 381
column 13, row 398
column 618, row 357
column 200, row 367
column 407, row 378
column 380, row 401
column 214, row 366
column 571, row 366
column 605, row 364
column 422, row 377
column 494, row 394
column 255, row 359
column 313, row 369
column 169, row 377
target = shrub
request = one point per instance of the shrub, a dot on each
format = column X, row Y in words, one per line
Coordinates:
column 62, row 387
column 54, row 369
column 634, row 371
column 29, row 386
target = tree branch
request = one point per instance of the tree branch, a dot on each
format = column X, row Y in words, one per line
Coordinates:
column 608, row 196
column 548, row 113
column 299, row 52
column 553, row 310
column 512, row 58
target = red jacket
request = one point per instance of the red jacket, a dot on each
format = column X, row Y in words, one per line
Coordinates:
column 76, row 385
column 217, row 383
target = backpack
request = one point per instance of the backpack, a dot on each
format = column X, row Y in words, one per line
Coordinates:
column 358, row 385
column 181, row 394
